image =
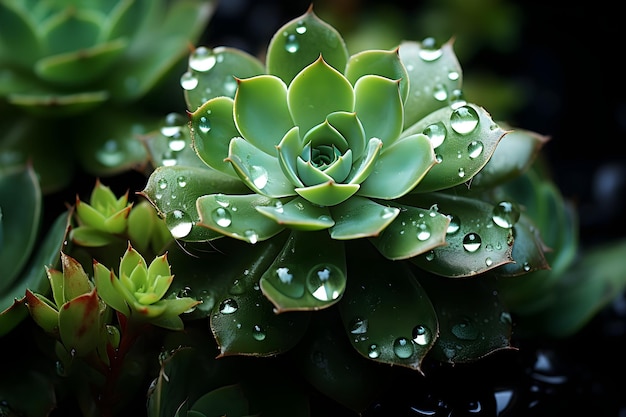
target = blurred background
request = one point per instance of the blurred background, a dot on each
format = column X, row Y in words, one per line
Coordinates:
column 549, row 68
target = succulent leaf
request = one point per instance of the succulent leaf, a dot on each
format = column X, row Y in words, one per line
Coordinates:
column 296, row 280
column 300, row 42
column 378, row 62
column 360, row 217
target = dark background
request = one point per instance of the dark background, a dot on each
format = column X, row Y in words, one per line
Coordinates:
column 555, row 69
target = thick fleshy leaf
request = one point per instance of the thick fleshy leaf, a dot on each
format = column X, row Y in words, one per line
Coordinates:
column 75, row 280
column 42, row 312
column 243, row 320
column 329, row 193
column 464, row 138
column 414, row 153
column 79, row 323
column 528, row 250
column 213, row 73
column 309, row 273
column 515, row 153
column 19, row 33
column 164, row 190
column 337, row 170
column 300, row 42
column 414, row 231
column 351, row 128
column 299, row 214
column 378, row 105
column 261, row 113
column 316, row 92
column 71, row 29
column 360, row 217
column 474, row 243
column 428, row 89
column 473, row 322
column 21, row 204
column 364, row 167
column 81, row 66
column 227, row 400
column 289, row 150
column 236, row 216
column 387, row 315
column 379, row 62
column 260, row 171
column 212, row 129
column 329, row 362
column 106, row 287
column 170, row 143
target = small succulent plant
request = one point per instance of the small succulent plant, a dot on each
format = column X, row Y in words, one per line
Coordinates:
column 87, row 62
column 359, row 188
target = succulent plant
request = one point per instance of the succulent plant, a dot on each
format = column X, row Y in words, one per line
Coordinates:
column 363, row 189
column 86, row 62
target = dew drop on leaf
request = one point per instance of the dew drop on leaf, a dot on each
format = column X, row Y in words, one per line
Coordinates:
column 471, row 242
column 179, row 223
column 228, row 306
column 436, row 132
column 403, row 348
column 222, row 217
column 202, row 59
column 464, row 120
column 505, row 214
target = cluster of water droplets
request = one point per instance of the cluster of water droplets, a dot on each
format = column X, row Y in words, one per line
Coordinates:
column 402, row 347
column 178, row 220
column 176, row 132
column 292, row 42
column 323, row 282
column 201, row 61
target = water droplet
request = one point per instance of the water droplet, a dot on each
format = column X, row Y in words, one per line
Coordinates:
column 429, row 51
column 258, row 333
column 162, row 183
column 505, row 214
column 389, row 212
column 423, row 232
column 453, row 75
column 228, row 306
column 177, row 142
column 465, row 330
column 471, row 242
column 173, row 122
column 430, row 255
column 181, row 181
column 202, row 59
column 403, row 347
column 420, row 335
column 110, row 153
column 457, row 99
column 259, row 177
column 526, row 266
column 203, row 124
column 301, row 27
column 179, row 223
column 221, row 200
column 283, row 280
column 221, row 217
column 251, row 235
column 464, row 120
column 461, row 172
column 324, row 282
column 188, row 81
column 358, row 325
column 436, row 133
column 292, row 45
column 373, row 351
column 440, row 92
column 474, row 149
column 488, row 261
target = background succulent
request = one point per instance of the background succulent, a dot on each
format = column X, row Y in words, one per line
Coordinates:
column 366, row 183
column 67, row 66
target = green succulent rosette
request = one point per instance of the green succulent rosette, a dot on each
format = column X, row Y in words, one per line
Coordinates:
column 365, row 183
column 137, row 291
column 69, row 67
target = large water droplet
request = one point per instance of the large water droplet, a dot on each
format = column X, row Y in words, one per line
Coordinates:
column 505, row 214
column 202, row 59
column 423, row 232
column 455, row 224
column 464, row 120
column 251, row 236
column 403, row 347
column 181, row 181
column 284, row 280
column 324, row 282
column 421, row 335
column 179, row 223
column 203, row 124
column 172, row 124
column 228, row 306
column 258, row 333
column 259, row 176
column 471, row 242
column 188, row 81
column 358, row 325
column 436, row 133
column 475, row 149
column 465, row 330
column 301, row 27
column 440, row 92
column 222, row 217
column 429, row 51
column 177, row 142
column 291, row 44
